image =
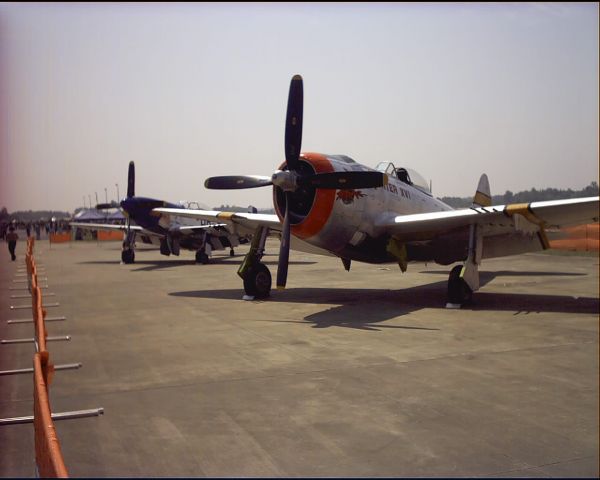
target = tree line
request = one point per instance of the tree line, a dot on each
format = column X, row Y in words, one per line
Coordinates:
column 527, row 196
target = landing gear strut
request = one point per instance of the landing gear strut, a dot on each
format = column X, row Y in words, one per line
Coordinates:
column 464, row 279
column 128, row 253
column 256, row 275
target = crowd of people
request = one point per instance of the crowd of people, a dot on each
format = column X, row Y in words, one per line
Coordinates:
column 36, row 228
column 8, row 231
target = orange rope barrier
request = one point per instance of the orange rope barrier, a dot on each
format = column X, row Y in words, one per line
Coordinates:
column 48, row 455
column 59, row 237
column 579, row 238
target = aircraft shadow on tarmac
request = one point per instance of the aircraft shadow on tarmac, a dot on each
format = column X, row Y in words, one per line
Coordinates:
column 150, row 265
column 486, row 277
column 354, row 308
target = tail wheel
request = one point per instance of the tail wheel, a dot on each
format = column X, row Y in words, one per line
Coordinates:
column 257, row 281
column 458, row 290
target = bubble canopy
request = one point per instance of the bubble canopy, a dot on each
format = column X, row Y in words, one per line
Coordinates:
column 406, row 175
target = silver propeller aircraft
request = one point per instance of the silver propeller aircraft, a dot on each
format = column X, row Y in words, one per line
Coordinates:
column 199, row 235
column 332, row 205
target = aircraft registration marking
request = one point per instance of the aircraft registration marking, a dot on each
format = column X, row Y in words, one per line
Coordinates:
column 399, row 191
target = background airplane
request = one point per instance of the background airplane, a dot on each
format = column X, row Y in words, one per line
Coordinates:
column 199, row 235
column 387, row 214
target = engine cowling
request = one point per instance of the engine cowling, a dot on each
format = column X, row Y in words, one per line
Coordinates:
column 326, row 218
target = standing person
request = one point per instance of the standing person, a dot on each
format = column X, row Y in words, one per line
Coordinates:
column 28, row 229
column 11, row 238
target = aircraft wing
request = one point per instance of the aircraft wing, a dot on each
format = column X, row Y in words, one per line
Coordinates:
column 106, row 226
column 191, row 229
column 235, row 222
column 495, row 220
column 243, row 224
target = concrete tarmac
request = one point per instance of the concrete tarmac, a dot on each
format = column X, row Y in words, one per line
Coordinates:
column 343, row 374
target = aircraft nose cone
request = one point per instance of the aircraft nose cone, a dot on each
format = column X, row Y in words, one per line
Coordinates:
column 126, row 204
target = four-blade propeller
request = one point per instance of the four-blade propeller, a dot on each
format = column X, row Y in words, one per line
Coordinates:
column 292, row 178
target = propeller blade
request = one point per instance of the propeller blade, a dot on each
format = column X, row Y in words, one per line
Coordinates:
column 232, row 182
column 346, row 180
column 131, row 180
column 284, row 248
column 105, row 206
column 293, row 123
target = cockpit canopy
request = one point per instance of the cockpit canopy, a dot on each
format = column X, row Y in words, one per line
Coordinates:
column 192, row 205
column 406, row 175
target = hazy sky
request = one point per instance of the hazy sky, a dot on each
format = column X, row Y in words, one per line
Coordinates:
column 189, row 91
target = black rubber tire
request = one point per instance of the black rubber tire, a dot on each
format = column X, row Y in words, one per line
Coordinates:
column 201, row 257
column 164, row 247
column 231, row 253
column 257, row 281
column 128, row 256
column 458, row 290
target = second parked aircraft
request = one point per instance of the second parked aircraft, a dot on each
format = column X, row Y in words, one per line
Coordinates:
column 199, row 235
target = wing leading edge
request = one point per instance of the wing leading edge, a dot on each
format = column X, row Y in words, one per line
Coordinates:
column 105, row 226
column 496, row 219
column 237, row 222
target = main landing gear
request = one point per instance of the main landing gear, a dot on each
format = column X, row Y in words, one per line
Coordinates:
column 464, row 279
column 128, row 253
column 459, row 291
column 201, row 257
column 256, row 275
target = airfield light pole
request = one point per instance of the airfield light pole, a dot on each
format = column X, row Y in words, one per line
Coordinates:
column 96, row 197
column 90, row 199
column 105, row 195
column 117, row 192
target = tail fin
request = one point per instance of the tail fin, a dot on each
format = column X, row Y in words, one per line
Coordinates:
column 483, row 197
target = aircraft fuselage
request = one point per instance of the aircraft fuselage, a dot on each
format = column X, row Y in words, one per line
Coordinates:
column 345, row 222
